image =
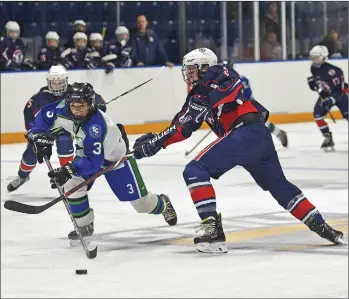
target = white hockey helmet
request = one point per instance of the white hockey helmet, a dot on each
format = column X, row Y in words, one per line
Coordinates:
column 57, row 80
column 196, row 63
column 79, row 26
column 80, row 40
column 96, row 40
column 52, row 35
column 318, row 54
column 12, row 29
column 122, row 34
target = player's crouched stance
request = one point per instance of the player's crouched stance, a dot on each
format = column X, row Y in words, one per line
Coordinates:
column 217, row 98
column 99, row 142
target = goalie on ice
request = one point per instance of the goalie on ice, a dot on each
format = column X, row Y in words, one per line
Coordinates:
column 243, row 139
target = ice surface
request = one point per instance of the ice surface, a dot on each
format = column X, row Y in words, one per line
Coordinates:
column 270, row 254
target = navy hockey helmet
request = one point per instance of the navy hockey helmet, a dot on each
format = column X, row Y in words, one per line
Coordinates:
column 80, row 101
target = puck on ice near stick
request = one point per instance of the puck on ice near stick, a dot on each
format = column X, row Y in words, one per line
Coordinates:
column 81, row 272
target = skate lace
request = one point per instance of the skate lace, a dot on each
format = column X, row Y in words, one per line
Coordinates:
column 169, row 213
column 15, row 180
column 206, row 229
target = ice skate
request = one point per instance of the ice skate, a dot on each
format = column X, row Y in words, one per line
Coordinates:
column 86, row 232
column 210, row 236
column 16, row 183
column 169, row 212
column 282, row 136
column 327, row 232
column 328, row 144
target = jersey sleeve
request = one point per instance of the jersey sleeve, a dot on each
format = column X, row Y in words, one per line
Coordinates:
column 93, row 151
column 31, row 108
column 45, row 119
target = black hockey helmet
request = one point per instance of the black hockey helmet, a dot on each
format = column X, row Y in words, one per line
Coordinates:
column 81, row 93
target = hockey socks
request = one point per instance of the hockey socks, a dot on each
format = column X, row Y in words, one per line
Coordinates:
column 204, row 199
column 25, row 169
column 322, row 124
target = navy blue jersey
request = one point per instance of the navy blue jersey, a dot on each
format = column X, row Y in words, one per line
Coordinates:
column 327, row 79
column 44, row 97
column 48, row 57
column 74, row 58
column 222, row 90
column 124, row 55
column 11, row 52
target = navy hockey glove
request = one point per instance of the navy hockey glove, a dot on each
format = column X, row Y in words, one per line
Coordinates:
column 328, row 102
column 198, row 108
column 109, row 67
column 146, row 146
column 42, row 143
column 61, row 175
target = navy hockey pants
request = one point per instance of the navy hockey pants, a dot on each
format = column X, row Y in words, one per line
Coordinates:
column 251, row 147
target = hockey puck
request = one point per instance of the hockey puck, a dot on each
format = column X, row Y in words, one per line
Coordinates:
column 81, row 272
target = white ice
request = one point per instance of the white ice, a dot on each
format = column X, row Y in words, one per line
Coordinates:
column 137, row 257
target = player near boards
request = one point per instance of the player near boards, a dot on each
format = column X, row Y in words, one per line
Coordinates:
column 56, row 88
column 328, row 81
column 99, row 142
column 243, row 139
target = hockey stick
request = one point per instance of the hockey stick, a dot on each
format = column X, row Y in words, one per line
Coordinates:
column 91, row 254
column 196, row 145
column 28, row 209
column 134, row 88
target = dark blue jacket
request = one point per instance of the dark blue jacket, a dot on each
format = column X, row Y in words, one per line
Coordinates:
column 148, row 48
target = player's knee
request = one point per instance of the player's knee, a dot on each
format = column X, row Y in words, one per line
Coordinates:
column 195, row 172
column 73, row 182
column 145, row 204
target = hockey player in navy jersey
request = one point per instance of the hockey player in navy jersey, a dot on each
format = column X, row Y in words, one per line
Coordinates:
column 57, row 84
column 243, row 139
column 328, row 81
column 50, row 53
column 12, row 50
column 99, row 142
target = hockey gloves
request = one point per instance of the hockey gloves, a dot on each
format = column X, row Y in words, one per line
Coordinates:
column 328, row 102
column 42, row 143
column 146, row 146
column 198, row 108
column 61, row 175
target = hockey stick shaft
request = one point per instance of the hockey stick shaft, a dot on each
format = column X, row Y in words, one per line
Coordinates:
column 136, row 87
column 90, row 254
column 196, row 145
column 28, row 209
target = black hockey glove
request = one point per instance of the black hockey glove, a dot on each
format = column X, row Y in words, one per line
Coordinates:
column 198, row 108
column 109, row 67
column 328, row 102
column 61, row 175
column 42, row 143
column 146, row 146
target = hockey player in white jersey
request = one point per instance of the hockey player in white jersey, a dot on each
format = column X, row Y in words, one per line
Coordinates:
column 99, row 142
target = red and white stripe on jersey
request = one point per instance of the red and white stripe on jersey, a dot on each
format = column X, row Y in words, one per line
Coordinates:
column 26, row 167
column 301, row 208
column 202, row 193
column 65, row 159
column 211, row 145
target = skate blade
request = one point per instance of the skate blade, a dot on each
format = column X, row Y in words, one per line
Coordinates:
column 340, row 241
column 328, row 149
column 76, row 243
column 212, row 248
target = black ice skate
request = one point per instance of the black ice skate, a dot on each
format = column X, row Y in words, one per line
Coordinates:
column 328, row 144
column 283, row 138
column 169, row 212
column 86, row 232
column 16, row 183
column 211, row 237
column 327, row 232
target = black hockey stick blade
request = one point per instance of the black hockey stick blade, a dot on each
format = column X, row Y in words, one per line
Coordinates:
column 28, row 209
column 92, row 253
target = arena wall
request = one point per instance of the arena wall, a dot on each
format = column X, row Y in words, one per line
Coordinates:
column 280, row 86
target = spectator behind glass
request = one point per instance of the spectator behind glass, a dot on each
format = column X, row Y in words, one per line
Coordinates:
column 270, row 21
column 50, row 53
column 147, row 47
column 271, row 48
column 78, row 26
column 333, row 44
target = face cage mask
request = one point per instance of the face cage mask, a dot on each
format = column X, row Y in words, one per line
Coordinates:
column 57, row 86
column 185, row 74
column 80, row 119
column 317, row 60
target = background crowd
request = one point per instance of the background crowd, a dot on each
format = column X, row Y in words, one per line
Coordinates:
column 107, row 35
